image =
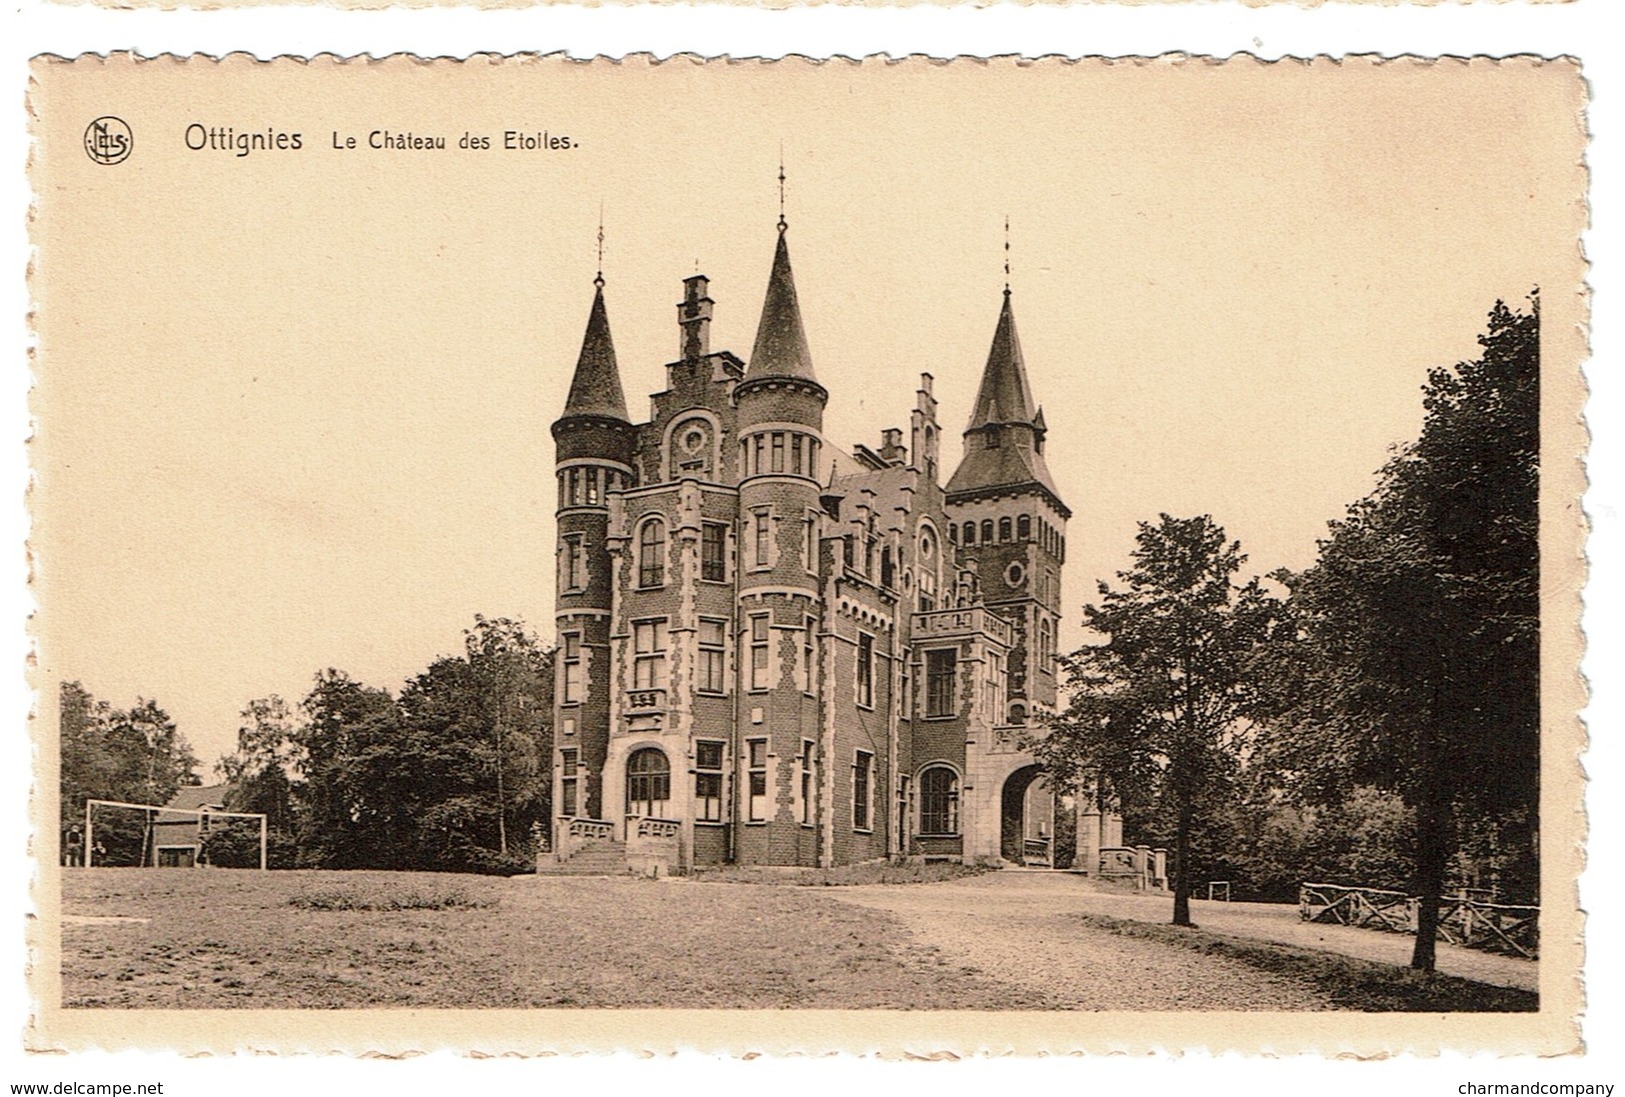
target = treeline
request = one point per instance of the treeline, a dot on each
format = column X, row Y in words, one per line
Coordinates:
column 1371, row 720
column 135, row 755
column 450, row 775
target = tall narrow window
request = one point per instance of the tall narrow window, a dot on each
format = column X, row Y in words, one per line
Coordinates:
column 713, row 655
column 1024, row 527
column 810, row 550
column 939, row 801
column 713, row 552
column 795, row 454
column 1004, row 529
column 592, row 496
column 649, row 654
column 762, row 537
column 941, row 682
column 570, row 657
column 928, row 589
column 708, row 781
column 574, row 562
column 866, row 670
column 756, row 779
column 969, row 536
column 652, row 554
column 759, row 465
column 987, row 530
column 905, row 700
column 807, row 788
column 569, row 770
column 758, row 652
column 572, row 492
column 809, row 650
column 862, row 776
column 1046, row 645
column 778, row 451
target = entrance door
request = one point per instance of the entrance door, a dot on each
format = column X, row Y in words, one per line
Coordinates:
column 648, row 783
column 1027, row 818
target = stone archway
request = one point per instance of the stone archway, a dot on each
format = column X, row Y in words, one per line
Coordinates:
column 1026, row 815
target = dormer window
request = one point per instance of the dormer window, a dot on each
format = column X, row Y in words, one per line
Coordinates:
column 993, row 439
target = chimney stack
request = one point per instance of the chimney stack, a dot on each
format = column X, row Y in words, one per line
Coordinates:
column 694, row 318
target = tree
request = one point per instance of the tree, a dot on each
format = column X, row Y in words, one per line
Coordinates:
column 354, row 811
column 1415, row 664
column 137, row 756
column 260, row 778
column 1155, row 716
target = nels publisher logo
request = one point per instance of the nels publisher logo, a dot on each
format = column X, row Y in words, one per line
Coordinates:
column 108, row 140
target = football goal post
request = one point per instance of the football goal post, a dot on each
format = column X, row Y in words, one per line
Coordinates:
column 155, row 811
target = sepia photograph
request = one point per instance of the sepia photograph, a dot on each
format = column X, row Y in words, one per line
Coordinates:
column 1094, row 555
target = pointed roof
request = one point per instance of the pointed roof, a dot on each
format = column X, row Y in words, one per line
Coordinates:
column 781, row 341
column 1005, row 396
column 1005, row 399
column 596, row 387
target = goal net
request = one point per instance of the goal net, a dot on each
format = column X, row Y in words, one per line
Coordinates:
column 120, row 833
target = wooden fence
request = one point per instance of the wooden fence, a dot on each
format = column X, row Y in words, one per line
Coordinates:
column 1463, row 920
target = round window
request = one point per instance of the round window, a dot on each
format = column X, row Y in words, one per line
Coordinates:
column 1014, row 574
column 927, row 547
column 693, row 440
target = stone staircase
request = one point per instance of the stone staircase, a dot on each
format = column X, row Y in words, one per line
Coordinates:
column 603, row 858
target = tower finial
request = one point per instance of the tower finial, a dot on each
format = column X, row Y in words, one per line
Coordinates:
column 598, row 280
column 783, row 224
column 1007, row 255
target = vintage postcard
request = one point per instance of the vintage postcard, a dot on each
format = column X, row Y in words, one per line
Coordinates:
column 900, row 556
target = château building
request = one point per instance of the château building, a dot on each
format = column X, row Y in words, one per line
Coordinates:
column 774, row 652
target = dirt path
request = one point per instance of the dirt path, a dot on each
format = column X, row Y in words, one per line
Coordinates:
column 1021, row 929
column 1020, row 925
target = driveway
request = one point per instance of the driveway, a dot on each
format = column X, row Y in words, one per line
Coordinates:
column 1021, row 926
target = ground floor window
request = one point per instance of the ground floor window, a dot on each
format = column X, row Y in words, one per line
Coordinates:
column 568, row 794
column 939, row 801
column 708, row 781
column 862, row 777
column 756, row 775
column 648, row 783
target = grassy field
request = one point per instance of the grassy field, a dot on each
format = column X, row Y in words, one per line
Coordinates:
column 216, row 939
column 223, row 939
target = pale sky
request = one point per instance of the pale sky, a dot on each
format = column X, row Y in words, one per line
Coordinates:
column 293, row 408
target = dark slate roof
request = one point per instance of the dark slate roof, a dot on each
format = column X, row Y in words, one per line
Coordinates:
column 781, row 341
column 1004, row 396
column 596, row 387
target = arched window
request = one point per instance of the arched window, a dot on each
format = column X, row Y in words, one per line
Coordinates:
column 1004, row 529
column 652, row 554
column 886, row 576
column 1018, row 713
column 939, row 801
column 1024, row 527
column 970, row 533
column 987, row 530
column 928, row 572
column 648, row 783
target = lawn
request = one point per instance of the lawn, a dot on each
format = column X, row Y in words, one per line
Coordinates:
column 223, row 939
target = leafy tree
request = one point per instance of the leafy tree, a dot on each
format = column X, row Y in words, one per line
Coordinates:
column 1155, row 719
column 137, row 756
column 259, row 779
column 1416, row 664
column 445, row 777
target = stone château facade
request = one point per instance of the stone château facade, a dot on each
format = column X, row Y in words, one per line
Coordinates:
column 772, row 652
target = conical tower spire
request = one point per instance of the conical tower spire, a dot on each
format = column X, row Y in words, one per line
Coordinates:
column 1004, row 441
column 781, row 340
column 1005, row 396
column 596, row 387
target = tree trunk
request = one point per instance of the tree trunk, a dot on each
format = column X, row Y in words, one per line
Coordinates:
column 1182, row 876
column 1432, row 821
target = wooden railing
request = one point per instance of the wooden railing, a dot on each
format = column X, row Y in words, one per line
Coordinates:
column 1465, row 921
